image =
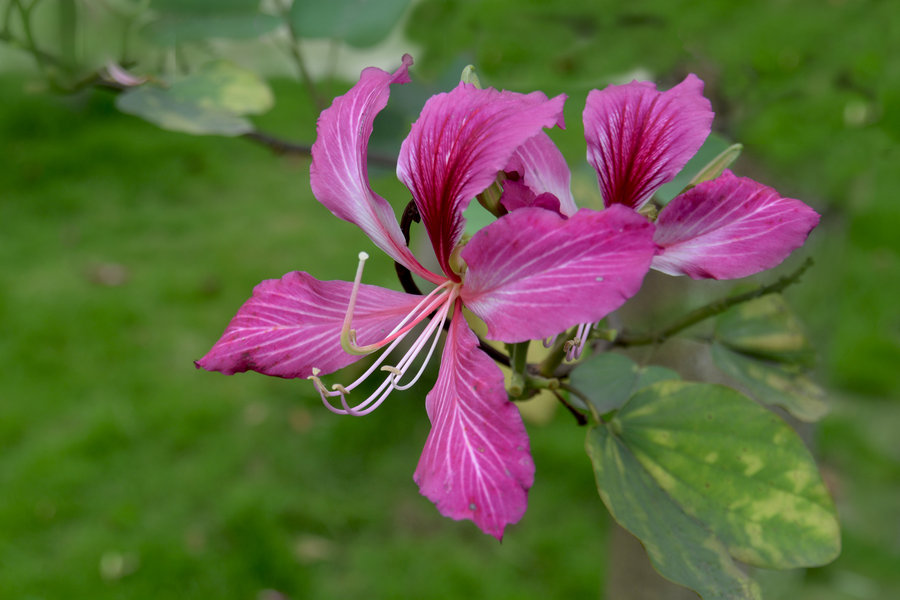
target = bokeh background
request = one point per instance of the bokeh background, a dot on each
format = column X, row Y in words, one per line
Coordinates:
column 125, row 249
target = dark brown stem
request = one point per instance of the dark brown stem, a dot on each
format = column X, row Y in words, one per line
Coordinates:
column 285, row 147
column 410, row 215
column 579, row 417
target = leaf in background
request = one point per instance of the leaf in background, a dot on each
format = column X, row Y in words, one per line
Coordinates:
column 222, row 85
column 765, row 327
column 773, row 383
column 726, row 463
column 158, row 106
column 207, row 102
column 610, row 379
column 191, row 20
column 360, row 23
column 681, row 548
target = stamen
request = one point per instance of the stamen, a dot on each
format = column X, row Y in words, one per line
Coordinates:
column 431, row 332
column 348, row 336
column 424, row 308
column 575, row 346
column 436, row 325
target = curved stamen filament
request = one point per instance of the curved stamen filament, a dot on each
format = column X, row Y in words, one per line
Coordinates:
column 424, row 308
column 431, row 332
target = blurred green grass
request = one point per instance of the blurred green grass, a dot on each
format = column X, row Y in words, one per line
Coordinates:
column 126, row 473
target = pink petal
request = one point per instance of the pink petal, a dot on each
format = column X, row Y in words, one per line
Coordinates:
column 293, row 324
column 542, row 170
column 729, row 227
column 533, row 273
column 339, row 174
column 476, row 463
column 458, row 145
column 639, row 138
column 517, row 195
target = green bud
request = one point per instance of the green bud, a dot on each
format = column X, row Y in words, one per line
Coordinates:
column 469, row 76
column 716, row 166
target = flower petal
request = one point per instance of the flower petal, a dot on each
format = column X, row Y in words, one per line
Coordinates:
column 293, row 324
column 729, row 227
column 476, row 463
column 639, row 138
column 542, row 170
column 533, row 273
column 455, row 149
column 339, row 174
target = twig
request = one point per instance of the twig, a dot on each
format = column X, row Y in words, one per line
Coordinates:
column 579, row 416
column 286, row 147
column 294, row 48
column 710, row 310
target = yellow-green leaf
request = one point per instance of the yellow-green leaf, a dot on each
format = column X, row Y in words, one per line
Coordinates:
column 767, row 328
column 737, row 468
column 680, row 547
column 773, row 383
column 222, row 85
column 156, row 105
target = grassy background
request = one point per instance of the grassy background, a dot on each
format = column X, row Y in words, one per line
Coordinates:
column 126, row 473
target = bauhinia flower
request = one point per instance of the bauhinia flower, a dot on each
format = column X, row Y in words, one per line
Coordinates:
column 531, row 274
column 639, row 138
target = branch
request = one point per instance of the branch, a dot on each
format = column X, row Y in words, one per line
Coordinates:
column 710, row 310
column 289, row 148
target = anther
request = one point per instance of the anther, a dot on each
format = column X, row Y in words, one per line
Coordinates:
column 393, row 370
column 316, row 381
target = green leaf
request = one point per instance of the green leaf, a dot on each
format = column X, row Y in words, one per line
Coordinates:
column 694, row 470
column 681, row 548
column 205, row 7
column 158, row 106
column 609, row 379
column 171, row 29
column 222, row 85
column 737, row 467
column 360, row 23
column 773, row 383
column 210, row 101
column 765, row 327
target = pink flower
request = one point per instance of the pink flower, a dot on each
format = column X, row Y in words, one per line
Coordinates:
column 639, row 138
column 529, row 275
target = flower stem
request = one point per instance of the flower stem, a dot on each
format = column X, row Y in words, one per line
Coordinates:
column 710, row 310
column 518, row 354
column 557, row 354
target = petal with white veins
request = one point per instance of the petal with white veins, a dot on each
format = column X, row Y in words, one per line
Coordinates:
column 293, row 324
column 729, row 227
column 476, row 463
column 532, row 273
column 339, row 174
column 458, row 145
column 639, row 138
